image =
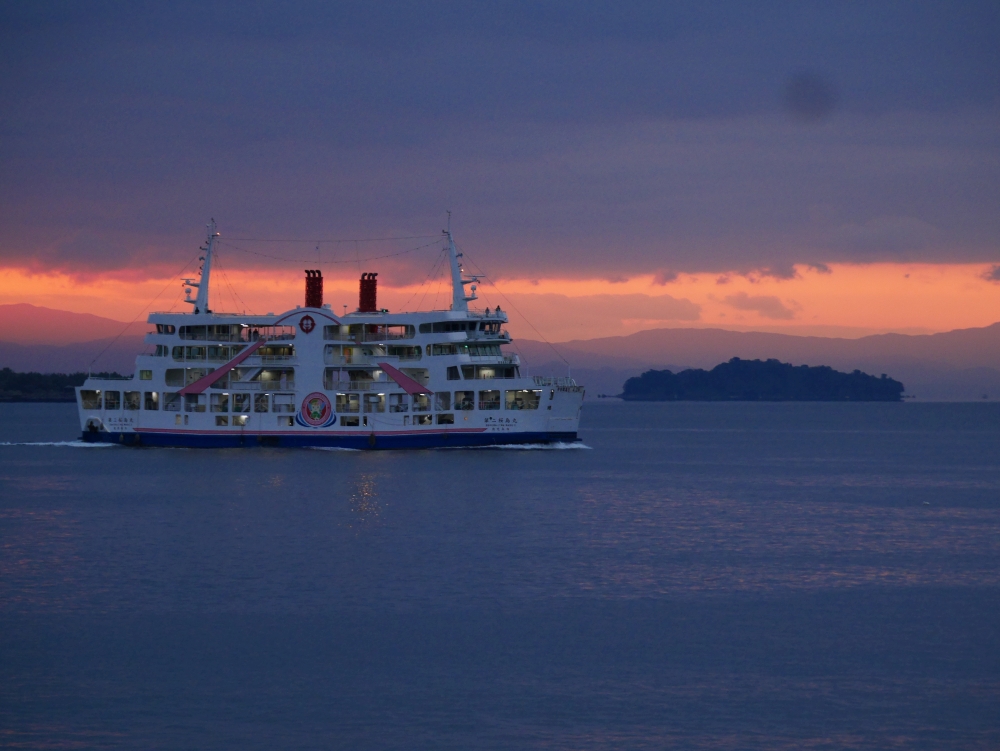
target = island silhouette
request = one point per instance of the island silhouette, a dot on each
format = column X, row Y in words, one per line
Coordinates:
column 761, row 380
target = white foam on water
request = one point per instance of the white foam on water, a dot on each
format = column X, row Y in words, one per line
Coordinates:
column 534, row 446
column 71, row 444
column 330, row 448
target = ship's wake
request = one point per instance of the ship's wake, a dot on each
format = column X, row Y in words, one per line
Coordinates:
column 534, row 446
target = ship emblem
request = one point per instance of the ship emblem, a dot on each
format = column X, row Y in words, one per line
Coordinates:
column 307, row 324
column 316, row 412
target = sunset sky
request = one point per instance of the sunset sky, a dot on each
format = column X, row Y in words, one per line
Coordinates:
column 817, row 168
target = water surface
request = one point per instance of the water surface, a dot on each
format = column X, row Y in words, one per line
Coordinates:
column 702, row 576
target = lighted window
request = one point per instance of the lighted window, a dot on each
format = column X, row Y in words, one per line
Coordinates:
column 132, row 399
column 489, row 400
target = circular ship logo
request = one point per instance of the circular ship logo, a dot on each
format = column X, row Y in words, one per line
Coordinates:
column 316, row 411
column 307, row 324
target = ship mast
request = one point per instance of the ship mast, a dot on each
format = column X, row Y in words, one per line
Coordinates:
column 459, row 301
column 201, row 301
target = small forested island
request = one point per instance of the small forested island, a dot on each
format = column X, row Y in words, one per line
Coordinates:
column 765, row 381
column 39, row 387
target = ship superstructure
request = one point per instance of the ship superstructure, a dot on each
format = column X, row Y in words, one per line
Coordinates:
column 308, row 377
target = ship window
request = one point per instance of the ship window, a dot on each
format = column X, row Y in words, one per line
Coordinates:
column 283, row 403
column 422, row 419
column 91, row 399
column 442, row 401
column 165, row 328
column 421, row 403
column 175, row 376
column 336, row 333
column 465, row 400
column 482, row 350
column 151, row 400
column 171, row 401
column 453, row 373
column 399, row 403
column 260, row 402
column 177, row 353
column 241, row 402
column 112, row 400
column 193, row 402
column 348, row 403
column 404, row 353
column 220, row 402
column 448, row 419
column 221, row 421
column 489, row 371
column 523, row 399
column 145, row 375
column 131, row 400
column 374, row 402
column 349, row 421
column 489, row 400
column 444, row 349
column 447, row 327
column 284, row 422
column 162, row 350
column 271, row 333
column 239, row 420
column 192, row 332
column 277, row 378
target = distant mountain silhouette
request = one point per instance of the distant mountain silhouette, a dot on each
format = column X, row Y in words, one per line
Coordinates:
column 26, row 324
column 961, row 364
column 760, row 380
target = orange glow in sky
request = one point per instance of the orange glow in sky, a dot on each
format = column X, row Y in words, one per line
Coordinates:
column 845, row 300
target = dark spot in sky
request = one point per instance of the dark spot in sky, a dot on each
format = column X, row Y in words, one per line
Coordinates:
column 992, row 274
column 809, row 97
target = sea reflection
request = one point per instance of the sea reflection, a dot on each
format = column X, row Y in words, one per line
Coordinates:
column 366, row 508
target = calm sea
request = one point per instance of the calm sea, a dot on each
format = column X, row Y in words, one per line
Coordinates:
column 720, row 576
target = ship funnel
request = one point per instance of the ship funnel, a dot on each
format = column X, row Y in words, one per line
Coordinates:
column 367, row 296
column 314, row 288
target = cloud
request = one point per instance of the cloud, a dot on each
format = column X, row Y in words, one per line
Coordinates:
column 664, row 277
column 782, row 272
column 820, row 268
column 992, row 274
column 767, row 306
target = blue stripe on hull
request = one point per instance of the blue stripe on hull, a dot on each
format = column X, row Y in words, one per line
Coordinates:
column 318, row 440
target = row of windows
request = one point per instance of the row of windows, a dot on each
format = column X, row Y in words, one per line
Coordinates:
column 281, row 378
column 447, row 327
column 357, row 331
column 368, row 332
column 113, row 400
column 174, row 401
column 442, row 401
column 347, row 403
column 479, row 372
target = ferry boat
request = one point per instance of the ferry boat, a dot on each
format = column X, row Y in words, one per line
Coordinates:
column 370, row 379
